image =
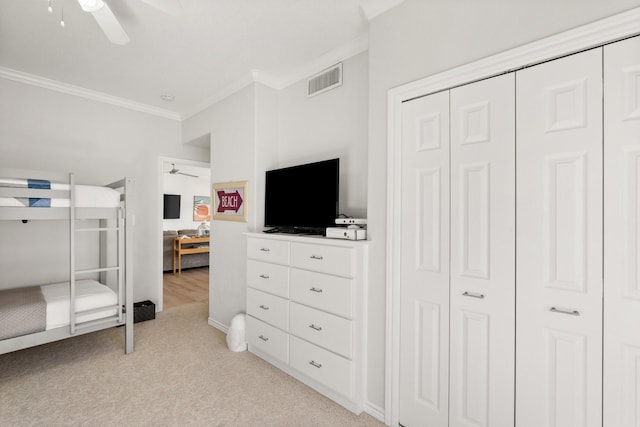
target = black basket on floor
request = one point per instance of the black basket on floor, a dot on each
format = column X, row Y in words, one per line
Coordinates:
column 144, row 310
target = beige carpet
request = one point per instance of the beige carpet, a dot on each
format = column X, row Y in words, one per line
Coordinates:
column 181, row 373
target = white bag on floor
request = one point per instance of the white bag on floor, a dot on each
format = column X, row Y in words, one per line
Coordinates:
column 235, row 335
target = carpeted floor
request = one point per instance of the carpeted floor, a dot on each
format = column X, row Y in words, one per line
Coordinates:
column 181, row 373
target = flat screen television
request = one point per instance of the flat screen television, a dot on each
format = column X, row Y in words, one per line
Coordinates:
column 302, row 198
column 171, row 206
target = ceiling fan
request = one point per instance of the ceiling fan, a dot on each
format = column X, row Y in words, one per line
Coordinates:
column 109, row 23
column 175, row 171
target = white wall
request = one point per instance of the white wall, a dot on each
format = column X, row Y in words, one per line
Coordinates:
column 231, row 124
column 266, row 156
column 418, row 39
column 328, row 125
column 100, row 143
column 187, row 187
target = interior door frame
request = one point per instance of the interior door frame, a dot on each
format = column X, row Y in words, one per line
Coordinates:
column 160, row 181
column 588, row 36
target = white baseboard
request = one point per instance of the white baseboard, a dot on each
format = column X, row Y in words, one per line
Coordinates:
column 218, row 325
column 374, row 410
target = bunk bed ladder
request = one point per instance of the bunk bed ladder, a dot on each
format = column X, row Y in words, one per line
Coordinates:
column 72, row 255
column 123, row 267
column 119, row 267
column 128, row 263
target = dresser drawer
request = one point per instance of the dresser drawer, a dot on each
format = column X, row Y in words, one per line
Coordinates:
column 323, row 366
column 275, row 251
column 326, row 259
column 267, row 339
column 268, row 277
column 326, row 330
column 269, row 308
column 328, row 293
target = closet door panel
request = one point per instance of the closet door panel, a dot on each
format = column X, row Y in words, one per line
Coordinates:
column 622, row 234
column 424, row 343
column 559, row 244
column 483, row 253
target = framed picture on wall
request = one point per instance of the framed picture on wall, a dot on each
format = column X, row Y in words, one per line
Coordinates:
column 230, row 201
column 201, row 208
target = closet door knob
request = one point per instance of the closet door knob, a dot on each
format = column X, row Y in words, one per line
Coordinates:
column 264, row 307
column 314, row 289
column 315, row 328
column 316, row 257
column 264, row 249
column 263, row 338
column 317, row 365
column 264, row 276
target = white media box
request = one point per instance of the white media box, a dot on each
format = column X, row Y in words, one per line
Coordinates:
column 346, row 233
column 351, row 221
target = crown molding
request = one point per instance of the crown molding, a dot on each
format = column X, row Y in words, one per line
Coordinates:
column 353, row 48
column 607, row 30
column 34, row 80
column 218, row 96
column 373, row 10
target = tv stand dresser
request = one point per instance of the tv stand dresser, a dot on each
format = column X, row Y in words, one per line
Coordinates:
column 306, row 311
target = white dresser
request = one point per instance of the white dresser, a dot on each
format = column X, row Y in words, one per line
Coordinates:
column 306, row 311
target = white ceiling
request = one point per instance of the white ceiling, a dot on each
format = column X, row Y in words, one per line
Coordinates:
column 209, row 50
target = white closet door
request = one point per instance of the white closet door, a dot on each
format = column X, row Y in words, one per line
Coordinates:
column 559, row 243
column 483, row 253
column 622, row 234
column 424, row 318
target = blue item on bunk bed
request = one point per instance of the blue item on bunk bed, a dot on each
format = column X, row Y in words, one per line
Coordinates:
column 39, row 202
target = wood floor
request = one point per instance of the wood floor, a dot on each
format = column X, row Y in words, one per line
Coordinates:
column 191, row 286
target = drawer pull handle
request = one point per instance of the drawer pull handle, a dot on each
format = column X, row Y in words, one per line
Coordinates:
column 319, row 290
column 264, row 276
column 315, row 328
column 265, row 249
column 473, row 295
column 316, row 257
column 263, row 338
column 264, row 307
column 561, row 311
column 317, row 365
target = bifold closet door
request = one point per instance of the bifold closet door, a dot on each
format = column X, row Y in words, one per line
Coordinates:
column 559, row 242
column 482, row 332
column 622, row 234
column 424, row 314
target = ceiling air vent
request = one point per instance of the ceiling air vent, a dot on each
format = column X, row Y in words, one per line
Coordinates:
column 325, row 80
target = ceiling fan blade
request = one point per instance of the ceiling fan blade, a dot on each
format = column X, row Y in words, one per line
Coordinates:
column 188, row 174
column 172, row 7
column 110, row 25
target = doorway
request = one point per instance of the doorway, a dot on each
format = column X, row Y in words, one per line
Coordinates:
column 184, row 276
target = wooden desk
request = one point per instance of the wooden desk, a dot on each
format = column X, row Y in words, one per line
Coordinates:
column 185, row 246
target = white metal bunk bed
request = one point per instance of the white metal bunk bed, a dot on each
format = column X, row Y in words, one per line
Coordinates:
column 80, row 305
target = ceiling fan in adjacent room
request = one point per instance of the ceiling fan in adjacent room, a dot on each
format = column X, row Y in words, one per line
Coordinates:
column 175, row 171
column 110, row 24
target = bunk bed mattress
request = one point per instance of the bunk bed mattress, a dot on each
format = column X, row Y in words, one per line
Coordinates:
column 33, row 309
column 89, row 295
column 22, row 311
column 87, row 196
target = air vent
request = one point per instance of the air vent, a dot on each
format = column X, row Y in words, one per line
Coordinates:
column 324, row 81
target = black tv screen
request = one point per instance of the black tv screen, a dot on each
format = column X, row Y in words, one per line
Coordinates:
column 171, row 206
column 302, row 198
